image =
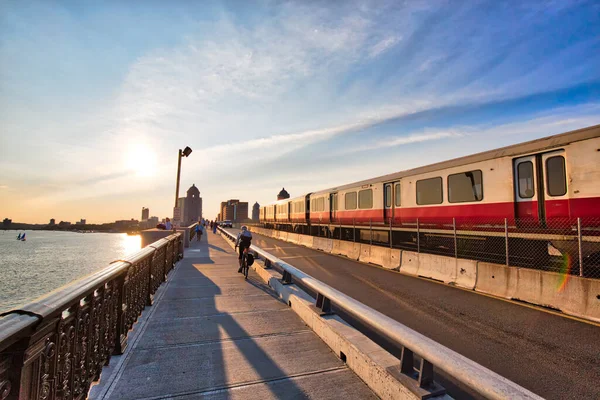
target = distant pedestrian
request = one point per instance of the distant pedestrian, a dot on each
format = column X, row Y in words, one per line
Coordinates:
column 211, row 224
column 199, row 232
column 168, row 225
column 215, row 227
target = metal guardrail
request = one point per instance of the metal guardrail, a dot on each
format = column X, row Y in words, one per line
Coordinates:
column 56, row 346
column 461, row 369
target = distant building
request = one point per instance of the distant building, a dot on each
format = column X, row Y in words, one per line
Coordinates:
column 52, row 222
column 283, row 194
column 64, row 223
column 234, row 210
column 145, row 213
column 80, row 222
column 192, row 206
column 127, row 224
column 181, row 205
column 149, row 223
column 6, row 223
column 256, row 212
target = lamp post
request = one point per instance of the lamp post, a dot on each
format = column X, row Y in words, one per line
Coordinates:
column 182, row 153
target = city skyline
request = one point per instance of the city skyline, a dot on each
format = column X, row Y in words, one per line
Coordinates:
column 96, row 99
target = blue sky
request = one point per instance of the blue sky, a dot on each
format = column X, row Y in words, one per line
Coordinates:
column 96, row 97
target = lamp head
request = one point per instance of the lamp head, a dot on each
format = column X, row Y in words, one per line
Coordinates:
column 187, row 151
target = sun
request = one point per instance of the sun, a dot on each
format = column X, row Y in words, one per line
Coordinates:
column 141, row 160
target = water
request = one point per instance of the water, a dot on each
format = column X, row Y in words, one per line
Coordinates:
column 49, row 260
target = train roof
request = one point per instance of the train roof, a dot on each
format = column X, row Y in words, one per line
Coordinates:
column 532, row 146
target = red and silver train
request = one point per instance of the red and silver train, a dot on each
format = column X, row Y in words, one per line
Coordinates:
column 543, row 184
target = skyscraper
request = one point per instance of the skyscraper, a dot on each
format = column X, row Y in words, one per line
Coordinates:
column 145, row 213
column 234, row 210
column 256, row 212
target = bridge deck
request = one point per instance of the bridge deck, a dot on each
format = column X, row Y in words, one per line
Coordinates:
column 554, row 356
column 210, row 334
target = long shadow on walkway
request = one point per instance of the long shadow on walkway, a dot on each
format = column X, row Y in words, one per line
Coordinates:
column 212, row 334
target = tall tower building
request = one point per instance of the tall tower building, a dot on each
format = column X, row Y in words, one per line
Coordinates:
column 145, row 213
column 192, row 210
column 256, row 212
column 283, row 194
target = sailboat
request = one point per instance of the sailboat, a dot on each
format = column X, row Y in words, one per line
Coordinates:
column 23, row 237
column 19, row 237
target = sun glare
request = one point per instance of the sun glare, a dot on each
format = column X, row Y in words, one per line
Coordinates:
column 141, row 160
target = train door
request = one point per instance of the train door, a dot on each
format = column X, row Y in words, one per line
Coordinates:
column 556, row 197
column 333, row 206
column 541, row 189
column 528, row 197
column 388, row 201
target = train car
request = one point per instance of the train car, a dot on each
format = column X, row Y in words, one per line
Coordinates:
column 320, row 207
column 269, row 213
column 541, row 184
column 282, row 211
column 299, row 210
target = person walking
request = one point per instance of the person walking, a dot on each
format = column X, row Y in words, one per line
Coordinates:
column 215, row 227
column 199, row 232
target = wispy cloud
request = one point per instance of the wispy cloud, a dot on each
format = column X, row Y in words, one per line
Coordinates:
column 279, row 84
column 384, row 45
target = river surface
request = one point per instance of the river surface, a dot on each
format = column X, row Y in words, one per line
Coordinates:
column 48, row 260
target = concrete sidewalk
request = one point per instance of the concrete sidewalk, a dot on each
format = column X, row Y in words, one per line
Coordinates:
column 211, row 334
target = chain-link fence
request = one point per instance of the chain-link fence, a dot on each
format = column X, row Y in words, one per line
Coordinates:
column 565, row 245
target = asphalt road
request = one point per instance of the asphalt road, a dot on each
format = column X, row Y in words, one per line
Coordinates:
column 551, row 355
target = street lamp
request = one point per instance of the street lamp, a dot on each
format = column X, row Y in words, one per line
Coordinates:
column 182, row 153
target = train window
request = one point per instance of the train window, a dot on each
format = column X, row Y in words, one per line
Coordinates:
column 525, row 172
column 397, row 197
column 388, row 196
column 556, row 176
column 321, row 204
column 365, row 199
column 429, row 191
column 466, row 186
column 350, row 201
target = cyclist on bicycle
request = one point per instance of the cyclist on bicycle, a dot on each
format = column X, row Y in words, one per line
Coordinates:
column 244, row 240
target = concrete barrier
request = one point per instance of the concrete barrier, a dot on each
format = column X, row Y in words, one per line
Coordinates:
column 385, row 257
column 335, row 247
column 466, row 273
column 365, row 253
column 409, row 264
column 350, row 250
column 293, row 238
column 437, row 267
column 322, row 244
column 305, row 240
column 570, row 294
column 283, row 236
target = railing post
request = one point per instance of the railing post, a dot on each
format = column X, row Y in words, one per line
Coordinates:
column 506, row 240
column 418, row 238
column 121, row 323
column 371, row 231
column 455, row 241
column 579, row 244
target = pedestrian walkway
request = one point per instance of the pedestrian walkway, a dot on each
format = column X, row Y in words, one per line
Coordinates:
column 211, row 334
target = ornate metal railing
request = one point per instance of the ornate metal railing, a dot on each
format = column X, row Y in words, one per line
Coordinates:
column 56, row 346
